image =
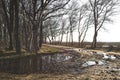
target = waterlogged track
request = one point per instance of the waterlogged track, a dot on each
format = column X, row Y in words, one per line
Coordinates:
column 74, row 64
column 83, row 59
column 80, row 64
column 85, row 51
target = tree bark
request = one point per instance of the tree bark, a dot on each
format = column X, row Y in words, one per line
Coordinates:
column 16, row 34
column 41, row 34
column 9, row 22
column 34, row 28
column 95, row 25
column 94, row 43
column 67, row 38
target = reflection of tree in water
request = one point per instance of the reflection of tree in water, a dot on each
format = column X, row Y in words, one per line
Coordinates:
column 53, row 62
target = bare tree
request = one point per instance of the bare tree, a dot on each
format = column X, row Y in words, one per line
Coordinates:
column 52, row 29
column 73, row 16
column 62, row 29
column 86, row 26
column 102, row 11
column 17, row 33
column 3, row 30
column 82, row 23
column 39, row 11
column 8, row 11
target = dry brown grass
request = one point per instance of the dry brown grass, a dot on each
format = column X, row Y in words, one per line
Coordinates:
column 48, row 49
column 91, row 73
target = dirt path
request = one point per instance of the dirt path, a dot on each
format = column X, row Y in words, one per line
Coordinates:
column 83, row 50
column 84, row 65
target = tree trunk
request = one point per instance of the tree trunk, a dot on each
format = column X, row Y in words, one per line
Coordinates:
column 44, row 39
column 9, row 22
column 94, row 43
column 95, row 26
column 0, row 35
column 11, row 41
column 71, row 38
column 35, row 38
column 17, row 38
column 41, row 35
column 11, row 25
column 61, row 38
column 79, row 39
column 35, row 42
column 67, row 39
column 26, row 37
column 84, row 37
column 5, row 37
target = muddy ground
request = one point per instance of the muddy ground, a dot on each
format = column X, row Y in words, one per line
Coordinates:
column 77, row 64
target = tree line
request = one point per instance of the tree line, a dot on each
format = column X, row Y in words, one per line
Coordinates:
column 26, row 24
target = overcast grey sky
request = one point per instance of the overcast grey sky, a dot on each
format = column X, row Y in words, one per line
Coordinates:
column 111, row 34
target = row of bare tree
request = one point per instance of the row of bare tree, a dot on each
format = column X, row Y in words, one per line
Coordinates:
column 81, row 17
column 25, row 24
column 22, row 22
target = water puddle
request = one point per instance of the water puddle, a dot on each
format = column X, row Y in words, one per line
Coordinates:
column 114, row 69
column 92, row 63
column 52, row 61
column 56, row 58
column 104, row 55
column 107, row 56
column 63, row 61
